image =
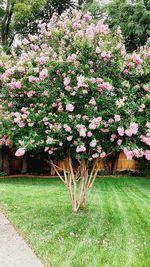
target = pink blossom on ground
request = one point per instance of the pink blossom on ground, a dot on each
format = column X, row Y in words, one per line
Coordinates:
column 20, row 152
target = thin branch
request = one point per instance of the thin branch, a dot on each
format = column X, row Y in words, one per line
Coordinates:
column 57, row 171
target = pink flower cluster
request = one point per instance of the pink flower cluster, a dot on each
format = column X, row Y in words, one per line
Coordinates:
column 133, row 129
column 20, row 152
column 14, row 84
column 70, row 107
column 95, row 123
column 5, row 141
column 136, row 59
column 80, row 149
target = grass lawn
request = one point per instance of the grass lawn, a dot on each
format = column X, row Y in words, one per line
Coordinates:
column 112, row 232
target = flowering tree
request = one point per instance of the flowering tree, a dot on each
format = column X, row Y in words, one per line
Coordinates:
column 74, row 92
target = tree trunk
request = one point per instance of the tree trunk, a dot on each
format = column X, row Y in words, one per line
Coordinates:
column 78, row 182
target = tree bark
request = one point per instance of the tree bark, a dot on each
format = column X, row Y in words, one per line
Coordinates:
column 5, row 25
column 78, row 182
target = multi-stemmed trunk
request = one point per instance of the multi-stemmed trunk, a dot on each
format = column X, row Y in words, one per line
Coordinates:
column 78, row 181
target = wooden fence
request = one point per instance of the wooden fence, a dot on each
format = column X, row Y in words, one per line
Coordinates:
column 10, row 164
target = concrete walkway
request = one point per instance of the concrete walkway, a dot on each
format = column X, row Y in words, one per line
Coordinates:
column 14, row 252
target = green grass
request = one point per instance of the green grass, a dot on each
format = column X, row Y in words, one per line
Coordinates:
column 112, row 232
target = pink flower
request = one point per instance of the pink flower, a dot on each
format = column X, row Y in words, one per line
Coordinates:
column 32, row 79
column 49, row 140
column 71, row 58
column 80, row 81
column 129, row 154
column 17, row 120
column 60, row 108
column 113, row 136
column 125, row 71
column 128, row 132
column 14, row 84
column 20, row 152
column 92, row 101
column 147, row 154
column 120, row 131
column 119, row 142
column 103, row 155
column 123, row 51
column 89, row 134
column 117, row 118
column 66, row 81
column 7, row 142
column 80, row 149
column 104, row 86
column 67, row 128
column 42, row 60
column 45, row 93
column 30, row 93
column 96, row 155
column 67, row 88
column 87, row 17
column 69, row 138
column 136, row 59
column 98, row 50
column 21, row 124
column 138, row 153
column 30, row 124
column 43, row 74
column 134, row 127
column 93, row 143
column 70, row 107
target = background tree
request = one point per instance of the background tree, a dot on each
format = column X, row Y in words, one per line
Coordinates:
column 21, row 17
column 133, row 17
